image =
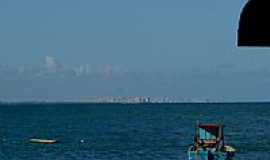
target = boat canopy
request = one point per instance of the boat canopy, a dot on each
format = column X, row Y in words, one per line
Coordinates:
column 209, row 135
column 210, row 131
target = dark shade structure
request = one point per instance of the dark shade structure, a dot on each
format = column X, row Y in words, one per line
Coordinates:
column 254, row 25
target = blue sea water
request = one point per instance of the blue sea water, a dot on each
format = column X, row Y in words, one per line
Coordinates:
column 122, row 131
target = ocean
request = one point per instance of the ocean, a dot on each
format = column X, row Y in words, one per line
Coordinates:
column 127, row 131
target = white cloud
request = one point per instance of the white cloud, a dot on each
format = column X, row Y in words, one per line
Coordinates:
column 84, row 69
column 52, row 64
column 51, row 67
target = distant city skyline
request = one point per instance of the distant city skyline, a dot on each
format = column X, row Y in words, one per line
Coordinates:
column 74, row 50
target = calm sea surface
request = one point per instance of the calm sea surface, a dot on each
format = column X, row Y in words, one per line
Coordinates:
column 135, row 132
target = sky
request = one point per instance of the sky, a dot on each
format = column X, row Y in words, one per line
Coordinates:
column 67, row 50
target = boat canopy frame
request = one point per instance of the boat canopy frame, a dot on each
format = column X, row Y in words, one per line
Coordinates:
column 209, row 135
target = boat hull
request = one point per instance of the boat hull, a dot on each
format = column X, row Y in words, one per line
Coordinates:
column 208, row 155
column 43, row 141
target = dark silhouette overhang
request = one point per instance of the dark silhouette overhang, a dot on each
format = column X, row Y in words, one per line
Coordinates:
column 254, row 25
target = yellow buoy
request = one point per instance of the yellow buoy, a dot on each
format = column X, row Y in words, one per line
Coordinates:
column 229, row 149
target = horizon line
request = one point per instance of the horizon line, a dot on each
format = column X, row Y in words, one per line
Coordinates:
column 85, row 102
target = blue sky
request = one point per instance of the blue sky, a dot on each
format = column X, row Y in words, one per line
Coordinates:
column 62, row 50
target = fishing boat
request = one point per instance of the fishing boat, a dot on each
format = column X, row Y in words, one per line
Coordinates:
column 209, row 144
column 43, row 141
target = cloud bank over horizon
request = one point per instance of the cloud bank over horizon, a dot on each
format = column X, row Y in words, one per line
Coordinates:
column 53, row 80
